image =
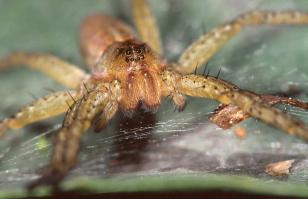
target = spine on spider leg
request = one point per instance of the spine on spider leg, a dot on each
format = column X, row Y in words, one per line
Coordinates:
column 43, row 108
column 225, row 116
column 227, row 93
column 199, row 86
column 265, row 112
column 77, row 120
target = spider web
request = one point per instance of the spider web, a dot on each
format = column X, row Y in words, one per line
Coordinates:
column 168, row 141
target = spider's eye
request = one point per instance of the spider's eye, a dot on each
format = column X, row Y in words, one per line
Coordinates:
column 128, row 52
column 137, row 50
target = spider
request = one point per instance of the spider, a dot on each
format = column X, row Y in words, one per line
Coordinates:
column 130, row 74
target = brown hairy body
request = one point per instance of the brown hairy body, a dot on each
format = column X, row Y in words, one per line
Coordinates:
column 112, row 52
column 129, row 74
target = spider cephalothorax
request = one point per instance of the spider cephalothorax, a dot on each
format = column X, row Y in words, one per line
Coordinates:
column 137, row 68
column 128, row 74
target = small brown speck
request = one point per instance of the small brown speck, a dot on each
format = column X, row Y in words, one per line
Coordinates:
column 279, row 168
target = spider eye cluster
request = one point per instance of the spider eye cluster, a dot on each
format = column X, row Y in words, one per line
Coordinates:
column 133, row 53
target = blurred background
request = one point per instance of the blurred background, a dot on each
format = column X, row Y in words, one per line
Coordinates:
column 167, row 150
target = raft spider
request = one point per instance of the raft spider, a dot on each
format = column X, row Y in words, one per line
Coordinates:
column 128, row 74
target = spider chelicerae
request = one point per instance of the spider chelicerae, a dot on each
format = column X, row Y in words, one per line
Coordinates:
column 128, row 74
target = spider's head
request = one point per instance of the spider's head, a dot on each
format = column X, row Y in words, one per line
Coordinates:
column 138, row 68
column 132, row 52
column 127, row 56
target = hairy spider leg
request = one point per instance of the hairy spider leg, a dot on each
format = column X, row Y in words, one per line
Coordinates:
column 105, row 116
column 65, row 73
column 266, row 113
column 146, row 24
column 45, row 107
column 200, row 51
column 228, row 115
column 77, row 120
column 227, row 93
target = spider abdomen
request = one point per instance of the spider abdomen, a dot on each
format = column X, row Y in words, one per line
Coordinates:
column 99, row 31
